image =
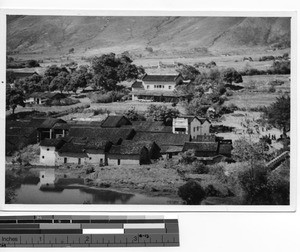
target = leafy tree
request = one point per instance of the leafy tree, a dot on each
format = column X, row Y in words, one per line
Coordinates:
column 54, row 70
column 133, row 115
column 246, row 150
column 198, row 106
column 109, row 70
column 192, row 192
column 77, row 80
column 188, row 72
column 278, row 114
column 14, row 97
column 231, row 75
column 161, row 113
column 10, row 77
column 32, row 63
column 60, row 82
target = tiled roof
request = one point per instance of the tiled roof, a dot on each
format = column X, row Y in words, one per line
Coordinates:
column 162, row 139
column 52, row 143
column 72, row 148
column 109, row 134
column 50, row 122
column 149, row 126
column 138, row 84
column 130, row 147
column 201, row 146
column 171, row 149
column 48, row 95
column 160, row 78
column 114, row 121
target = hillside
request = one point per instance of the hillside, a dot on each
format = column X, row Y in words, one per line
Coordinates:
column 165, row 35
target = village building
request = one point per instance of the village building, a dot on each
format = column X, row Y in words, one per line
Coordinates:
column 133, row 153
column 84, row 151
column 191, row 125
column 115, row 122
column 41, row 98
column 169, row 143
column 159, row 88
column 149, row 126
column 47, row 130
column 48, row 151
column 20, row 73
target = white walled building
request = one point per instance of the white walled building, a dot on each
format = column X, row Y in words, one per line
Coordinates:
column 191, row 125
column 48, row 151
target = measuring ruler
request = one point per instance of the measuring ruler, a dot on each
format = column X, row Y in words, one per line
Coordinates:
column 88, row 231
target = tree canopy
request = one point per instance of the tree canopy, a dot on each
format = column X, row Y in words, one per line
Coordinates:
column 231, row 75
column 161, row 113
column 14, row 97
column 279, row 113
column 110, row 69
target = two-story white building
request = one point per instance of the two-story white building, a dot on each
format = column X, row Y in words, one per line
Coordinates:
column 191, row 125
column 157, row 88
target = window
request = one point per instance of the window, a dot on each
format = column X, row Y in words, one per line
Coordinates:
column 43, row 157
column 194, row 129
column 148, row 86
column 197, row 128
column 170, row 87
column 79, row 161
column 90, row 158
column 119, row 161
column 65, row 160
column 48, row 149
column 43, row 176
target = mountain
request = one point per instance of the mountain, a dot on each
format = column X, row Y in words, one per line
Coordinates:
column 144, row 35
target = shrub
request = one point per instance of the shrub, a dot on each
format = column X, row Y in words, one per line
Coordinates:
column 188, row 157
column 89, row 170
column 276, row 83
column 272, row 89
column 200, row 168
column 192, row 192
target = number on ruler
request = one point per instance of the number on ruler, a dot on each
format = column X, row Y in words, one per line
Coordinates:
column 87, row 239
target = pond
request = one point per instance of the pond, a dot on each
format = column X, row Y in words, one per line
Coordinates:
column 31, row 194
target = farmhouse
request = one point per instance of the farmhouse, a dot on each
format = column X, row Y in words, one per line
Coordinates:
column 191, row 125
column 48, row 151
column 157, row 88
column 45, row 130
column 170, row 144
column 84, row 151
column 133, row 152
column 22, row 72
column 40, row 98
column 115, row 122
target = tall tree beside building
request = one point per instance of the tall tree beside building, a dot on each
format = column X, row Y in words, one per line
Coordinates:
column 14, row 97
column 109, row 70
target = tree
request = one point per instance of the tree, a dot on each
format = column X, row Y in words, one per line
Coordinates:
column 192, row 192
column 198, row 106
column 278, row 114
column 60, row 82
column 109, row 70
column 188, row 72
column 77, row 80
column 133, row 115
column 14, row 97
column 161, row 113
column 10, row 77
column 54, row 70
column 231, row 75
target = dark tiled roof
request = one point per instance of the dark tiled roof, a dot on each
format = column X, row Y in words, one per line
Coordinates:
column 46, row 95
column 72, row 148
column 162, row 138
column 202, row 120
column 61, row 126
column 109, row 134
column 171, row 149
column 225, row 149
column 114, row 121
column 201, row 146
column 50, row 122
column 160, row 78
column 149, row 126
column 52, row 143
column 130, row 147
column 85, row 123
column 138, row 84
column 206, row 138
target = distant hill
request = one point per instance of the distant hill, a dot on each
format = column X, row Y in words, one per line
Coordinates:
column 145, row 35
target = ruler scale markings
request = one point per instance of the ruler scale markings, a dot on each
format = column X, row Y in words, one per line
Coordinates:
column 63, row 231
